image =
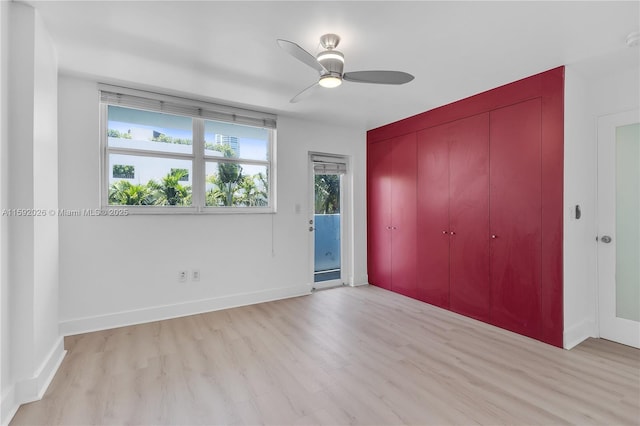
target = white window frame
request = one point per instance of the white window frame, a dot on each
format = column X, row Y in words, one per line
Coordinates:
column 199, row 112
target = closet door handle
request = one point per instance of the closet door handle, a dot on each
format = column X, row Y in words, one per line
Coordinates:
column 494, row 236
column 452, row 233
column 445, row 232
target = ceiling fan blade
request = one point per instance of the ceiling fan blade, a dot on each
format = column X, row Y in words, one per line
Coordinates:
column 378, row 77
column 302, row 55
column 304, row 94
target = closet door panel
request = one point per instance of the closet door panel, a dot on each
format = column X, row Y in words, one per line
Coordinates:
column 469, row 217
column 403, row 214
column 379, row 214
column 515, row 200
column 433, row 216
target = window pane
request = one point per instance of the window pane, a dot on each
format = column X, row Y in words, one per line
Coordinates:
column 140, row 180
column 236, row 185
column 236, row 141
column 153, row 131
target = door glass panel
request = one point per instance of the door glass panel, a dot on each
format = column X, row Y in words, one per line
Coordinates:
column 628, row 222
column 327, row 260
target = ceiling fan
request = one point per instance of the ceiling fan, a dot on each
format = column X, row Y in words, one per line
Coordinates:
column 330, row 64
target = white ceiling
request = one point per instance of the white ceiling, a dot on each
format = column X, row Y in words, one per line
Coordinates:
column 227, row 50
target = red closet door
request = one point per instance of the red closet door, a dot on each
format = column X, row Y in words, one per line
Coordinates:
column 470, row 288
column 515, row 197
column 403, row 214
column 379, row 214
column 433, row 216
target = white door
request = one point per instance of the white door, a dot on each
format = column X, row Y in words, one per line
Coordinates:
column 619, row 227
column 327, row 219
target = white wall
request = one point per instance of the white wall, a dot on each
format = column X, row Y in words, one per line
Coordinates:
column 122, row 270
column 587, row 96
column 580, row 183
column 4, row 259
column 34, row 347
column 615, row 92
column 45, row 192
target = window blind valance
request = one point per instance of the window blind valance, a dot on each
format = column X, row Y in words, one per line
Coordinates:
column 113, row 95
column 328, row 165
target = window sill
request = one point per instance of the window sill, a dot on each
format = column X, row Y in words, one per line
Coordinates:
column 121, row 211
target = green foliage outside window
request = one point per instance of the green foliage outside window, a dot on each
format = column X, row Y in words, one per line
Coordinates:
column 125, row 193
column 167, row 192
column 184, row 173
column 123, row 172
column 327, row 197
column 112, row 133
column 157, row 137
column 232, row 188
column 161, row 137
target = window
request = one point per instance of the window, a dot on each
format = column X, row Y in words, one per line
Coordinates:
column 236, row 165
column 162, row 154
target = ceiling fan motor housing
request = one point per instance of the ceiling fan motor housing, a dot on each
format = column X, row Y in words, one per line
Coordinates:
column 332, row 61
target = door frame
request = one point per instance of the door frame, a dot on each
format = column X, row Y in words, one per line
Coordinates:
column 609, row 326
column 346, row 220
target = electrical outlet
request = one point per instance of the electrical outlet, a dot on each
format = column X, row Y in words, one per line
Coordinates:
column 195, row 275
column 182, row 276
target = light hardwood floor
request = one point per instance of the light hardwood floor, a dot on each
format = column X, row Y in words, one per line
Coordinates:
column 342, row 356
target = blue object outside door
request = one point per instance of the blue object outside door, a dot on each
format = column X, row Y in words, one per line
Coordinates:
column 327, row 247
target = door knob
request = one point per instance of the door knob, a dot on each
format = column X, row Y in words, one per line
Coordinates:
column 311, row 229
column 606, row 239
column 452, row 233
column 494, row 236
column 445, row 232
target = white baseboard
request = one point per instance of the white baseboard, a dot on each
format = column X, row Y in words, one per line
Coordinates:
column 361, row 280
column 158, row 313
column 8, row 405
column 575, row 334
column 33, row 388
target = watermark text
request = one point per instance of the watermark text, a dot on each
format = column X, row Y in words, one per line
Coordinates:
column 63, row 212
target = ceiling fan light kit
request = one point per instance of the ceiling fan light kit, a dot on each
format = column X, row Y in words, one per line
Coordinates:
column 329, row 81
column 330, row 65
